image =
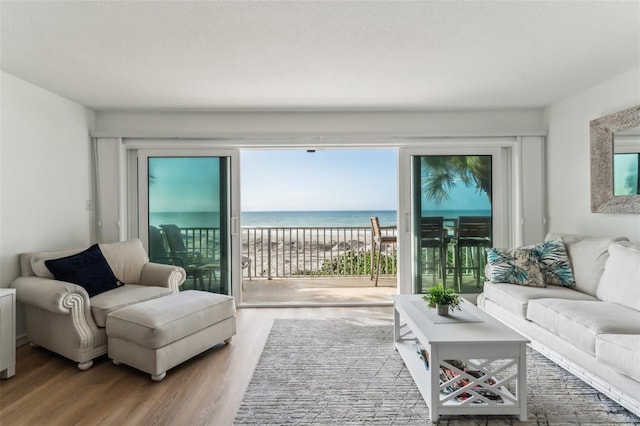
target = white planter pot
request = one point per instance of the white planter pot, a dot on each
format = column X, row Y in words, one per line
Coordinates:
column 443, row 310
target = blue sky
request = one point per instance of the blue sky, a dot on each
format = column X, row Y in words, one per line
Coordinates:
column 188, row 184
column 328, row 179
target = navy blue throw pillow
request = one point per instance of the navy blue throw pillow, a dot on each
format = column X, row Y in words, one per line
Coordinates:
column 88, row 269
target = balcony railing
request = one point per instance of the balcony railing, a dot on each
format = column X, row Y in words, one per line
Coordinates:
column 286, row 252
column 205, row 241
column 282, row 252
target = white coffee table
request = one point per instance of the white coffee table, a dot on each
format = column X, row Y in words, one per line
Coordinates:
column 494, row 380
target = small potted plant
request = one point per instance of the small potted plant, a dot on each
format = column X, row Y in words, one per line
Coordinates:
column 442, row 298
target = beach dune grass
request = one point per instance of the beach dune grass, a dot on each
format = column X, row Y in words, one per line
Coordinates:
column 359, row 263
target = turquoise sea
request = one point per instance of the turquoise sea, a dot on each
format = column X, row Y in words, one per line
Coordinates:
column 299, row 219
column 318, row 218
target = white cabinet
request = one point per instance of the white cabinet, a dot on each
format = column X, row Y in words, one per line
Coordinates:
column 7, row 332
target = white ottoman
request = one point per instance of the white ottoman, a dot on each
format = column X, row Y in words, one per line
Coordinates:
column 158, row 334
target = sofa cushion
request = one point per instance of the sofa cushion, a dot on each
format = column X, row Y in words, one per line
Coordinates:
column 579, row 322
column 620, row 281
column 620, row 351
column 127, row 259
column 110, row 301
column 88, row 269
column 588, row 256
column 514, row 298
column 514, row 266
column 554, row 263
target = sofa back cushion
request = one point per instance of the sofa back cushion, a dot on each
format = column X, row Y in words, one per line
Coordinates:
column 588, row 256
column 620, row 281
column 127, row 259
column 34, row 263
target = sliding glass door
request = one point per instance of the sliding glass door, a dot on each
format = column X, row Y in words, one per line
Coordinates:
column 456, row 211
column 452, row 215
column 185, row 214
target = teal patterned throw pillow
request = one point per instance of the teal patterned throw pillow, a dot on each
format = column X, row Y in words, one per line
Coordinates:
column 554, row 263
column 514, row 266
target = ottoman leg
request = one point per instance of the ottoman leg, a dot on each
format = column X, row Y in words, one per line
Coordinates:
column 158, row 377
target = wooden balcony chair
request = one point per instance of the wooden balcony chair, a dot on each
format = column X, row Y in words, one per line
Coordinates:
column 378, row 240
column 197, row 264
column 472, row 232
column 192, row 260
column 158, row 252
column 246, row 264
column 433, row 236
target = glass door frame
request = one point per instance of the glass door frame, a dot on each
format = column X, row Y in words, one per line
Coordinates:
column 503, row 197
column 138, row 196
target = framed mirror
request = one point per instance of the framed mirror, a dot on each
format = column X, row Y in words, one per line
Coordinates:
column 602, row 134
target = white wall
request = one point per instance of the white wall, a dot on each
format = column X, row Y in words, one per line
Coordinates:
column 45, row 173
column 568, row 163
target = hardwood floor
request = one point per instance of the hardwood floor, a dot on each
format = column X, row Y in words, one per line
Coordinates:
column 206, row 390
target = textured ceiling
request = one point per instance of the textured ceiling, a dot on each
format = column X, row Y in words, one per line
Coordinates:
column 338, row 55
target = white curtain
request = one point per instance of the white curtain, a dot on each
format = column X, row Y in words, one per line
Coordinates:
column 534, row 212
column 108, row 206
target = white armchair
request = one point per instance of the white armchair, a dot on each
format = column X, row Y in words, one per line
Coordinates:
column 60, row 316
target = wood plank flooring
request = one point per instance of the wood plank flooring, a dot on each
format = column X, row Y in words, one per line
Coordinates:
column 207, row 390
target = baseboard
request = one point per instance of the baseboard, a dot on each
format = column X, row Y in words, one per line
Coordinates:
column 21, row 340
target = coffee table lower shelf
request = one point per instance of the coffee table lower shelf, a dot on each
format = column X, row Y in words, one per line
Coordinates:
column 422, row 377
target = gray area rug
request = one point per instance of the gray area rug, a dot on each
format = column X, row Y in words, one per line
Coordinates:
column 347, row 372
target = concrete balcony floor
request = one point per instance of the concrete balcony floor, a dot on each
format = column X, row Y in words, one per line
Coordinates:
column 327, row 290
column 338, row 290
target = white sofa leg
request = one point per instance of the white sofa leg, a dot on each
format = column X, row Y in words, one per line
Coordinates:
column 85, row 365
column 228, row 340
column 116, row 362
column 158, row 377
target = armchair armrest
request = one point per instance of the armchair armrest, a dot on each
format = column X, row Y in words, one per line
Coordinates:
column 54, row 298
column 161, row 275
column 59, row 297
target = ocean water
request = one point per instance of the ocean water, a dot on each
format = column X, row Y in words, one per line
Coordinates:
column 450, row 215
column 319, row 218
column 186, row 219
column 327, row 219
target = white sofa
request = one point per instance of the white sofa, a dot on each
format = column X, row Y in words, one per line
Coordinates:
column 64, row 318
column 591, row 329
